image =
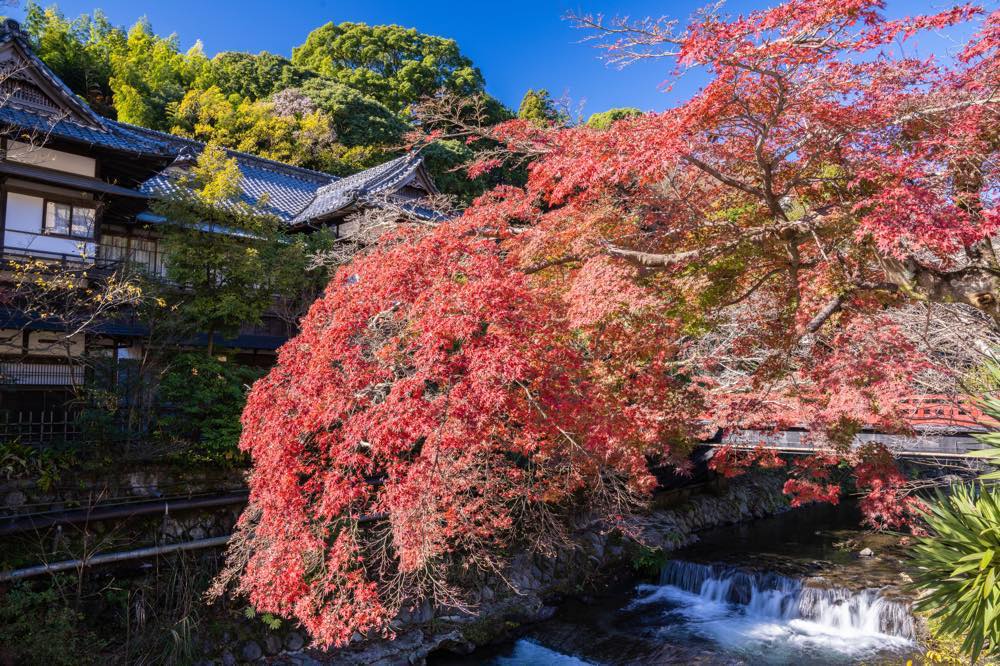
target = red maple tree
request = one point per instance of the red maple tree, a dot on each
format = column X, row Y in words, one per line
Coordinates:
column 463, row 389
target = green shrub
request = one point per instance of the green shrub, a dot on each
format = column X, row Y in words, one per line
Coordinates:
column 647, row 561
column 37, row 627
column 45, row 465
column 201, row 400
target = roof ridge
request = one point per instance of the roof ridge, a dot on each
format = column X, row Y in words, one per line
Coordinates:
column 381, row 167
column 10, row 30
column 331, row 178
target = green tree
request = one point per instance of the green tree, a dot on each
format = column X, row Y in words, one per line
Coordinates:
column 397, row 66
column 251, row 76
column 538, row 107
column 78, row 51
column 446, row 160
column 201, row 399
column 150, row 76
column 605, row 119
column 225, row 258
column 303, row 137
column 358, row 119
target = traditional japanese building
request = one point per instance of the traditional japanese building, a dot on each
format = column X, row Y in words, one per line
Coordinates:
column 75, row 189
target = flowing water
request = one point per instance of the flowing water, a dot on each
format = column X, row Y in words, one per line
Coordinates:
column 721, row 613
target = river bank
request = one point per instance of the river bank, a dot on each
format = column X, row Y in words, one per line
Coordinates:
column 539, row 586
column 784, row 590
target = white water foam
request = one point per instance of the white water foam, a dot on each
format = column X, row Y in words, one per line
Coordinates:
column 772, row 618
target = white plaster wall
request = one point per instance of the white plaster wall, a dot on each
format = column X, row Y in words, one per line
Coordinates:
column 25, row 153
column 53, row 343
column 24, row 218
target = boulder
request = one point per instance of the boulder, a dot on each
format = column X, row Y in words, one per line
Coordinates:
column 251, row 651
column 14, row 499
column 294, row 641
column 272, row 644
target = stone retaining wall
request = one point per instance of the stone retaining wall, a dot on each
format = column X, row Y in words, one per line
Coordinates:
column 541, row 582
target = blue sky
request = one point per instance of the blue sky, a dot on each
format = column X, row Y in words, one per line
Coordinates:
column 518, row 44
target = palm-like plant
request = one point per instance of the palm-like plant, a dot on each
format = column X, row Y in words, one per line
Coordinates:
column 991, row 407
column 957, row 565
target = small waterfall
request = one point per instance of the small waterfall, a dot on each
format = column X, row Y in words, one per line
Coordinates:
column 770, row 595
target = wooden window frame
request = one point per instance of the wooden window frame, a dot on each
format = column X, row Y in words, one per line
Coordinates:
column 73, row 206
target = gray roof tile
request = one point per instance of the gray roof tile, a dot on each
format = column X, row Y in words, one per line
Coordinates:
column 294, row 194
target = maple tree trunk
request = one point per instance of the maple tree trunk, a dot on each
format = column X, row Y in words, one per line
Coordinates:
column 976, row 285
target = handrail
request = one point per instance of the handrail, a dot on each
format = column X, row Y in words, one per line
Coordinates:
column 107, row 558
column 25, row 523
column 75, row 260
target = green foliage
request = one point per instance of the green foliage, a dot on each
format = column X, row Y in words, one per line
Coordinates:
column 251, row 76
column 986, row 380
column 221, row 279
column 605, row 119
column 270, row 621
column 444, row 160
column 38, row 627
column 647, row 561
column 78, row 51
column 358, row 119
column 208, row 115
column 46, row 466
column 150, row 75
column 337, row 106
column 202, row 399
column 397, row 66
column 957, row 566
column 538, row 107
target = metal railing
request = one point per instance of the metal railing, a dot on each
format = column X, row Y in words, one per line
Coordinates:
column 75, row 260
column 26, row 373
column 106, row 255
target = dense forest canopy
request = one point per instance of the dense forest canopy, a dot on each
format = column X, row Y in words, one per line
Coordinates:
column 341, row 104
column 396, row 65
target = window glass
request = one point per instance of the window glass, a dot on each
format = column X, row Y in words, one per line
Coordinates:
column 114, row 248
column 58, row 218
column 68, row 220
column 83, row 222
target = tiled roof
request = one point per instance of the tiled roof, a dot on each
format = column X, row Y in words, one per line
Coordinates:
column 112, row 136
column 357, row 187
column 71, row 118
column 289, row 189
column 10, row 31
column 294, row 194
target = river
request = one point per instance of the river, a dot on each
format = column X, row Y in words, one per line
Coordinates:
column 785, row 590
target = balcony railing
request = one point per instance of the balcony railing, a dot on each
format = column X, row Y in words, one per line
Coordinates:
column 21, row 373
column 107, row 259
column 63, row 259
